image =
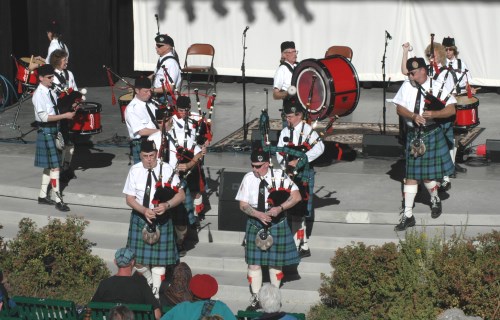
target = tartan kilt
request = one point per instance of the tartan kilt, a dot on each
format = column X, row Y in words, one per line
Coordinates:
column 283, row 252
column 188, row 204
column 448, row 133
column 162, row 253
column 47, row 155
column 135, row 148
column 436, row 161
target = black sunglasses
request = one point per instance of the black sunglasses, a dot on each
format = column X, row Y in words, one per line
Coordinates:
column 257, row 166
column 159, row 45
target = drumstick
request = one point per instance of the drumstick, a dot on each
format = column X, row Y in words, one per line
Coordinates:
column 464, row 93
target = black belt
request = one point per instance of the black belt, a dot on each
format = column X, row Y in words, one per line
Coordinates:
column 427, row 128
column 52, row 124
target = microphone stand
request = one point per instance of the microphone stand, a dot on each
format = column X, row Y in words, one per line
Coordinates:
column 384, row 85
column 245, row 128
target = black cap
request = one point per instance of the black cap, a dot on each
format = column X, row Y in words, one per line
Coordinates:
column 287, row 45
column 53, row 27
column 448, row 42
column 45, row 70
column 165, row 39
column 162, row 112
column 148, row 146
column 292, row 105
column 259, row 155
column 183, row 102
column 415, row 63
column 142, row 83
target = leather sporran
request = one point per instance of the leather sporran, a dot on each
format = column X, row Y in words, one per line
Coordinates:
column 417, row 147
column 59, row 141
column 150, row 234
column 264, row 239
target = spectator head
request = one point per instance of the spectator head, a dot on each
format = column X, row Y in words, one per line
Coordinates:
column 203, row 286
column 270, row 298
column 124, row 257
column 120, row 313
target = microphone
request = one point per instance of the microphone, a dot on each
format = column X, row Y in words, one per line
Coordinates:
column 388, row 35
column 246, row 29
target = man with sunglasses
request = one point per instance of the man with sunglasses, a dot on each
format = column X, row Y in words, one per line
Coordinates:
column 427, row 153
column 168, row 58
column 283, row 75
column 47, row 156
column 253, row 195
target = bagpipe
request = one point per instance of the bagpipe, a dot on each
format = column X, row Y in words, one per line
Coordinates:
column 68, row 97
column 203, row 132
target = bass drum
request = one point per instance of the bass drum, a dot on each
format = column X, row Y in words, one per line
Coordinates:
column 327, row 87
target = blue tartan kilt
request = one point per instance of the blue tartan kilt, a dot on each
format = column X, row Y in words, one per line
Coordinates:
column 283, row 252
column 436, row 161
column 47, row 155
column 162, row 253
column 135, row 147
column 448, row 133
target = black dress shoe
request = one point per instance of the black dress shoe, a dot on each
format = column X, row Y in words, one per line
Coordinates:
column 445, row 186
column 460, row 169
column 61, row 206
column 254, row 304
column 304, row 253
column 453, row 175
column 405, row 223
column 181, row 250
column 46, row 200
column 436, row 208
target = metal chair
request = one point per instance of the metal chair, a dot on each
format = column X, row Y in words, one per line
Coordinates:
column 340, row 50
column 199, row 49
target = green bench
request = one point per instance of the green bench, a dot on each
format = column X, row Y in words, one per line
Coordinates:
column 100, row 310
column 248, row 315
column 30, row 308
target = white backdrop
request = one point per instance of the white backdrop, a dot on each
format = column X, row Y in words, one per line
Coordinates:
column 358, row 24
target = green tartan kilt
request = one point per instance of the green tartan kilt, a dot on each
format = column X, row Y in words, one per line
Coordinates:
column 162, row 253
column 47, row 155
column 436, row 161
column 283, row 252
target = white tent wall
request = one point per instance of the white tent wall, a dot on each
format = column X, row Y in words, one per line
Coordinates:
column 358, row 24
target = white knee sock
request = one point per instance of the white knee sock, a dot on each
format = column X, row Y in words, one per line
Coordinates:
column 45, row 183
column 54, row 181
column 432, row 188
column 158, row 274
column 305, row 246
column 146, row 273
column 275, row 275
column 410, row 192
column 255, row 280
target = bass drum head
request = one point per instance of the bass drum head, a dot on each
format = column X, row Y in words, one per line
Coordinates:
column 331, row 85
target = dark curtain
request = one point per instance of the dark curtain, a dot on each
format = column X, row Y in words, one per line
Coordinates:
column 97, row 33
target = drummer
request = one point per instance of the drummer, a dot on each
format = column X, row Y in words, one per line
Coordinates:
column 54, row 34
column 64, row 81
column 283, row 75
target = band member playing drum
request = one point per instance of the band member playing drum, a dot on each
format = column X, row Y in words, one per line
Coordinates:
column 140, row 188
column 47, row 155
column 54, row 34
column 302, row 137
column 139, row 116
column 171, row 74
column 283, row 75
column 64, row 81
column 427, row 152
column 266, row 223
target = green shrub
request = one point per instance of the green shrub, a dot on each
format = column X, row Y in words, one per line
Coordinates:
column 53, row 262
column 416, row 279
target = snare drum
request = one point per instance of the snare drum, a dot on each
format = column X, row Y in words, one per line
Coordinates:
column 87, row 119
column 327, row 87
column 124, row 100
column 467, row 115
column 24, row 74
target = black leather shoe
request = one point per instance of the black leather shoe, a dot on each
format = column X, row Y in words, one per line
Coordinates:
column 254, row 304
column 304, row 253
column 61, row 206
column 460, row 169
column 453, row 175
column 182, row 251
column 405, row 223
column 46, row 200
column 445, row 186
column 436, row 208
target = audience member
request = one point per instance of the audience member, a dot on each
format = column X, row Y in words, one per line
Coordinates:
column 203, row 287
column 270, row 301
column 120, row 313
column 178, row 291
column 125, row 287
